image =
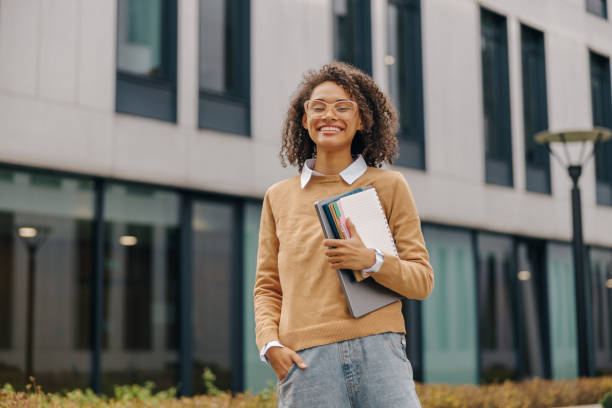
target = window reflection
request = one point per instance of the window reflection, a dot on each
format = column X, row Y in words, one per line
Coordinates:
column 499, row 356
column 140, row 47
column 140, row 280
column 601, row 287
column 59, row 307
column 213, row 301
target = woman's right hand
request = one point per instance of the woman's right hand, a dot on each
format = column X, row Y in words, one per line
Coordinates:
column 281, row 359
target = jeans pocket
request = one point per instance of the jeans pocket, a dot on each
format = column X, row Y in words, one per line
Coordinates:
column 397, row 344
column 291, row 370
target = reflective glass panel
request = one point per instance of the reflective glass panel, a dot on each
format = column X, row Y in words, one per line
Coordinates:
column 140, row 37
column 601, row 297
column 403, row 62
column 562, row 307
column 140, row 286
column 215, row 45
column 498, row 300
column 449, row 313
column 45, row 240
column 257, row 375
column 213, row 281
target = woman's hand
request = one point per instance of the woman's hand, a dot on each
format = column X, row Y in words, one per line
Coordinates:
column 281, row 359
column 349, row 253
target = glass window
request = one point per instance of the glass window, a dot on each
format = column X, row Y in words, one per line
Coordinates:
column 214, row 303
column 140, row 284
column 256, row 374
column 496, row 99
column 404, row 68
column 352, row 33
column 42, row 232
column 146, row 58
column 562, row 311
column 497, row 301
column 597, row 7
column 449, row 313
column 224, row 65
column 601, row 289
column 535, row 112
column 601, row 101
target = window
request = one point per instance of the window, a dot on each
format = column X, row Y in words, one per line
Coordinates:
column 224, row 66
column 597, row 7
column 562, row 310
column 146, row 58
column 140, row 280
column 601, row 289
column 449, row 319
column 534, row 109
column 352, row 33
column 496, row 99
column 49, row 250
column 404, row 64
column 602, row 116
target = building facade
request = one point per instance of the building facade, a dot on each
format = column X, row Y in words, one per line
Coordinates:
column 138, row 137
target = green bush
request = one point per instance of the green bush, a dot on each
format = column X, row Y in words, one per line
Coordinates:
column 606, row 401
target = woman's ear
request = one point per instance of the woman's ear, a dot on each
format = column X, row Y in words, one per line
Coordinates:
column 304, row 121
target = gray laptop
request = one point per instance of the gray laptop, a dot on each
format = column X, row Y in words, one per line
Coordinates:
column 361, row 297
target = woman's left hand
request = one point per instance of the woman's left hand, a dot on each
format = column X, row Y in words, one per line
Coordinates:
column 349, row 253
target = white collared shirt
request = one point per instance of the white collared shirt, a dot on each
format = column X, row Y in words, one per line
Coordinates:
column 350, row 174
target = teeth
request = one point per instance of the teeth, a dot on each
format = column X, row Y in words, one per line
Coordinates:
column 330, row 128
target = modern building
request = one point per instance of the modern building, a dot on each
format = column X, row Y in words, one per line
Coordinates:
column 138, row 137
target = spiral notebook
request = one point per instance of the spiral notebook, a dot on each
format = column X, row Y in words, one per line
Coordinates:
column 364, row 209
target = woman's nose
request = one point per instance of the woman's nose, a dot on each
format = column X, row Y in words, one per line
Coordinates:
column 329, row 112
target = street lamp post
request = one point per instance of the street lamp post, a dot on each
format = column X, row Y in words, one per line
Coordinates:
column 596, row 136
column 32, row 237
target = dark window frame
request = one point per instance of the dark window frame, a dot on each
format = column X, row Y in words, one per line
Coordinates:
column 151, row 97
column 601, row 106
column 360, row 34
column 411, row 134
column 595, row 9
column 535, row 109
column 230, row 111
column 496, row 100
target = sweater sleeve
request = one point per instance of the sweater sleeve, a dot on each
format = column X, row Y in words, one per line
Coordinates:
column 267, row 292
column 410, row 274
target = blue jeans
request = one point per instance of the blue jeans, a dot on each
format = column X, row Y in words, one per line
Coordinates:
column 365, row 372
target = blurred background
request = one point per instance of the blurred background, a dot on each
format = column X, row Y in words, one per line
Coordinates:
column 137, row 138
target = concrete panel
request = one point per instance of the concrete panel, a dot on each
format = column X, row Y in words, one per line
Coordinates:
column 453, row 89
column 187, row 64
column 96, row 54
column 58, row 50
column 148, row 150
column 19, row 45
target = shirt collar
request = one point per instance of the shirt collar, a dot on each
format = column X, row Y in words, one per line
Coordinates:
column 350, row 174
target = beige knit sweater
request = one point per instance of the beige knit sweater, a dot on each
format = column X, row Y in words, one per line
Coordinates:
column 298, row 297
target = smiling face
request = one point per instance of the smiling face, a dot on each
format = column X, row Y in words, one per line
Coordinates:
column 328, row 131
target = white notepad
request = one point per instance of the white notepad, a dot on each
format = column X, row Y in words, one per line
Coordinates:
column 366, row 213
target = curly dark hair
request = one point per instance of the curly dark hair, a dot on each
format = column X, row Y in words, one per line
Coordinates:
column 377, row 142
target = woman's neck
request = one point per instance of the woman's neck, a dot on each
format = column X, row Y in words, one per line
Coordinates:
column 332, row 163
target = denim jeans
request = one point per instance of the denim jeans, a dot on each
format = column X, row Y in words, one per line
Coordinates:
column 370, row 371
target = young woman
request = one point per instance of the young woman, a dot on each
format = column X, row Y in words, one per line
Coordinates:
column 338, row 131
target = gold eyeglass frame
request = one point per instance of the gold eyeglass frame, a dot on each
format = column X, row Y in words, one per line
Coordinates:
column 333, row 105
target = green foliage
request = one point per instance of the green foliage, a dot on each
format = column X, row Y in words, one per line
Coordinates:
column 8, row 389
column 209, row 382
column 142, row 393
column 606, row 401
column 268, row 394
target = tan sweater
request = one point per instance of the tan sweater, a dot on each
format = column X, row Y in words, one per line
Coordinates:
column 298, row 296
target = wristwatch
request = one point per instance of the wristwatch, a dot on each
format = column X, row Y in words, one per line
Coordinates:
column 380, row 257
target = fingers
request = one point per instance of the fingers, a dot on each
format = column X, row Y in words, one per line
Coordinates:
column 298, row 360
column 351, row 228
column 333, row 242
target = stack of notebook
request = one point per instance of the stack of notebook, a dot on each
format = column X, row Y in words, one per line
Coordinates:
column 362, row 206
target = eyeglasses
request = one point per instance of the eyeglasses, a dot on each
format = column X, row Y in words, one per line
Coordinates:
column 342, row 109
